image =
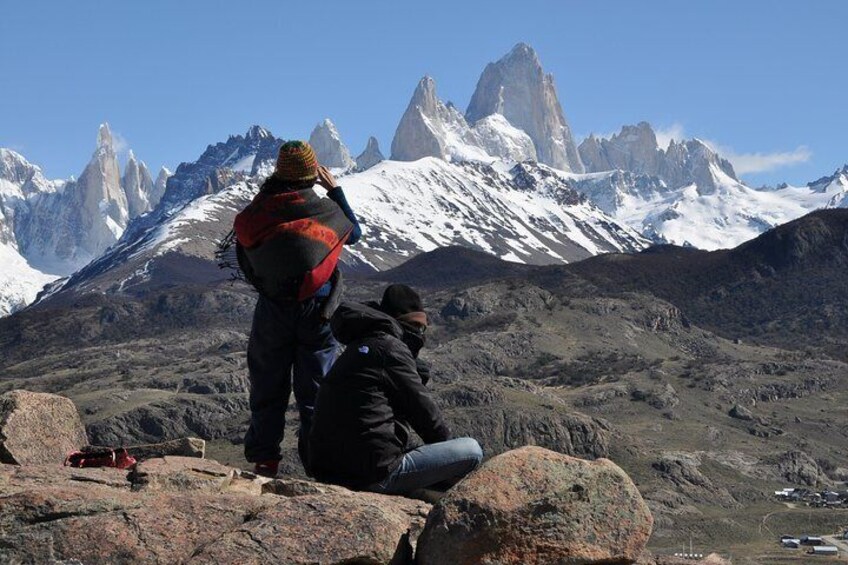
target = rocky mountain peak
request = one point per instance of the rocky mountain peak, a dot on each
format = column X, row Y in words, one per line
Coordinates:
column 138, row 186
column 328, row 145
column 13, row 166
column 159, row 186
column 104, row 138
column 635, row 149
column 425, row 96
column 822, row 183
column 431, row 128
column 242, row 154
column 370, row 156
column 420, row 132
column 256, row 132
column 523, row 54
column 517, row 87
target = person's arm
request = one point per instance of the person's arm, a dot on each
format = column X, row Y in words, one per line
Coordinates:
column 336, row 194
column 410, row 399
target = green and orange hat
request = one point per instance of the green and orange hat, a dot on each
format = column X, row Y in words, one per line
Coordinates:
column 296, row 162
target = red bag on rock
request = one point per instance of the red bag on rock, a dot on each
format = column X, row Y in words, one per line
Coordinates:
column 117, row 458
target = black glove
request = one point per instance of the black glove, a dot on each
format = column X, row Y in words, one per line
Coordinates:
column 423, row 368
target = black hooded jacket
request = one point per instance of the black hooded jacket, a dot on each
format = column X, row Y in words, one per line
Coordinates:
column 365, row 402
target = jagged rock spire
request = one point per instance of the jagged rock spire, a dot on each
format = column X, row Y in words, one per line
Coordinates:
column 431, row 128
column 416, row 135
column 370, row 156
column 517, row 88
column 328, row 146
column 138, row 186
column 635, row 149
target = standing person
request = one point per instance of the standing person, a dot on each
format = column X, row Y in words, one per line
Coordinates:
column 371, row 398
column 289, row 241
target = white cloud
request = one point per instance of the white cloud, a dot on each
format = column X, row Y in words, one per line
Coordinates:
column 746, row 163
column 665, row 135
column 119, row 143
column 743, row 163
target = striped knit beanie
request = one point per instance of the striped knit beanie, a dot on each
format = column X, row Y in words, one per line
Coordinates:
column 297, row 162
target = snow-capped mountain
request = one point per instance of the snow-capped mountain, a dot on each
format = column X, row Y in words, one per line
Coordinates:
column 52, row 228
column 431, row 128
column 687, row 194
column 527, row 213
column 635, row 149
column 505, row 177
column 240, row 155
column 833, row 188
column 19, row 181
column 329, row 148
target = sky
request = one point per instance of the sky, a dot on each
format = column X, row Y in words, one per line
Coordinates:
column 764, row 82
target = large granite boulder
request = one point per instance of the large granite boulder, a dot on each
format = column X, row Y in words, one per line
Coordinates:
column 532, row 505
column 38, row 428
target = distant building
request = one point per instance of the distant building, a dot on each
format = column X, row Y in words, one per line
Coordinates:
column 791, row 543
column 812, row 540
column 831, row 496
column 825, row 550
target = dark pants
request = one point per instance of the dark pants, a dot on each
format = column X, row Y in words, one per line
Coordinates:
column 289, row 344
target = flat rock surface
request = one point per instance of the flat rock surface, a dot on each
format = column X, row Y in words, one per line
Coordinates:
column 330, row 528
column 181, row 509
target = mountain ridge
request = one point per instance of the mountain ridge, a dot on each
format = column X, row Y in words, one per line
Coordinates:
column 684, row 194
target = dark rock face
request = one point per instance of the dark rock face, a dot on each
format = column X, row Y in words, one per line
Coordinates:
column 532, row 505
column 208, row 416
column 500, row 429
column 483, row 301
column 689, row 481
column 798, row 468
column 38, row 428
column 190, row 180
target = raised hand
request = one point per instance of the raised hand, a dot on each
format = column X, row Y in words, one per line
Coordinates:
column 326, row 178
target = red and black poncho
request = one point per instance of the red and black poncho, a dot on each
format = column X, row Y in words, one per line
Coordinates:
column 289, row 242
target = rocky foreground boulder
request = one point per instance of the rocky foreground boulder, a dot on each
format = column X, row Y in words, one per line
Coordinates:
column 534, row 506
column 38, row 428
column 529, row 505
column 184, row 510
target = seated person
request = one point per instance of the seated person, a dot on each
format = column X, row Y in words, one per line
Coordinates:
column 373, row 394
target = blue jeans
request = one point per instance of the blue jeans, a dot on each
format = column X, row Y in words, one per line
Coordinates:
column 428, row 465
column 290, row 347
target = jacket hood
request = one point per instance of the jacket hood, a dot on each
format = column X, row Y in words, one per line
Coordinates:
column 354, row 321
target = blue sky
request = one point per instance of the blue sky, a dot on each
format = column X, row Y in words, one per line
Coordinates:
column 763, row 80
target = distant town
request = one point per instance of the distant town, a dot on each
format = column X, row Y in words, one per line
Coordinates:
column 817, row 545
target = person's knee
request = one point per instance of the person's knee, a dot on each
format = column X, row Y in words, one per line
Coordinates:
column 471, row 450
